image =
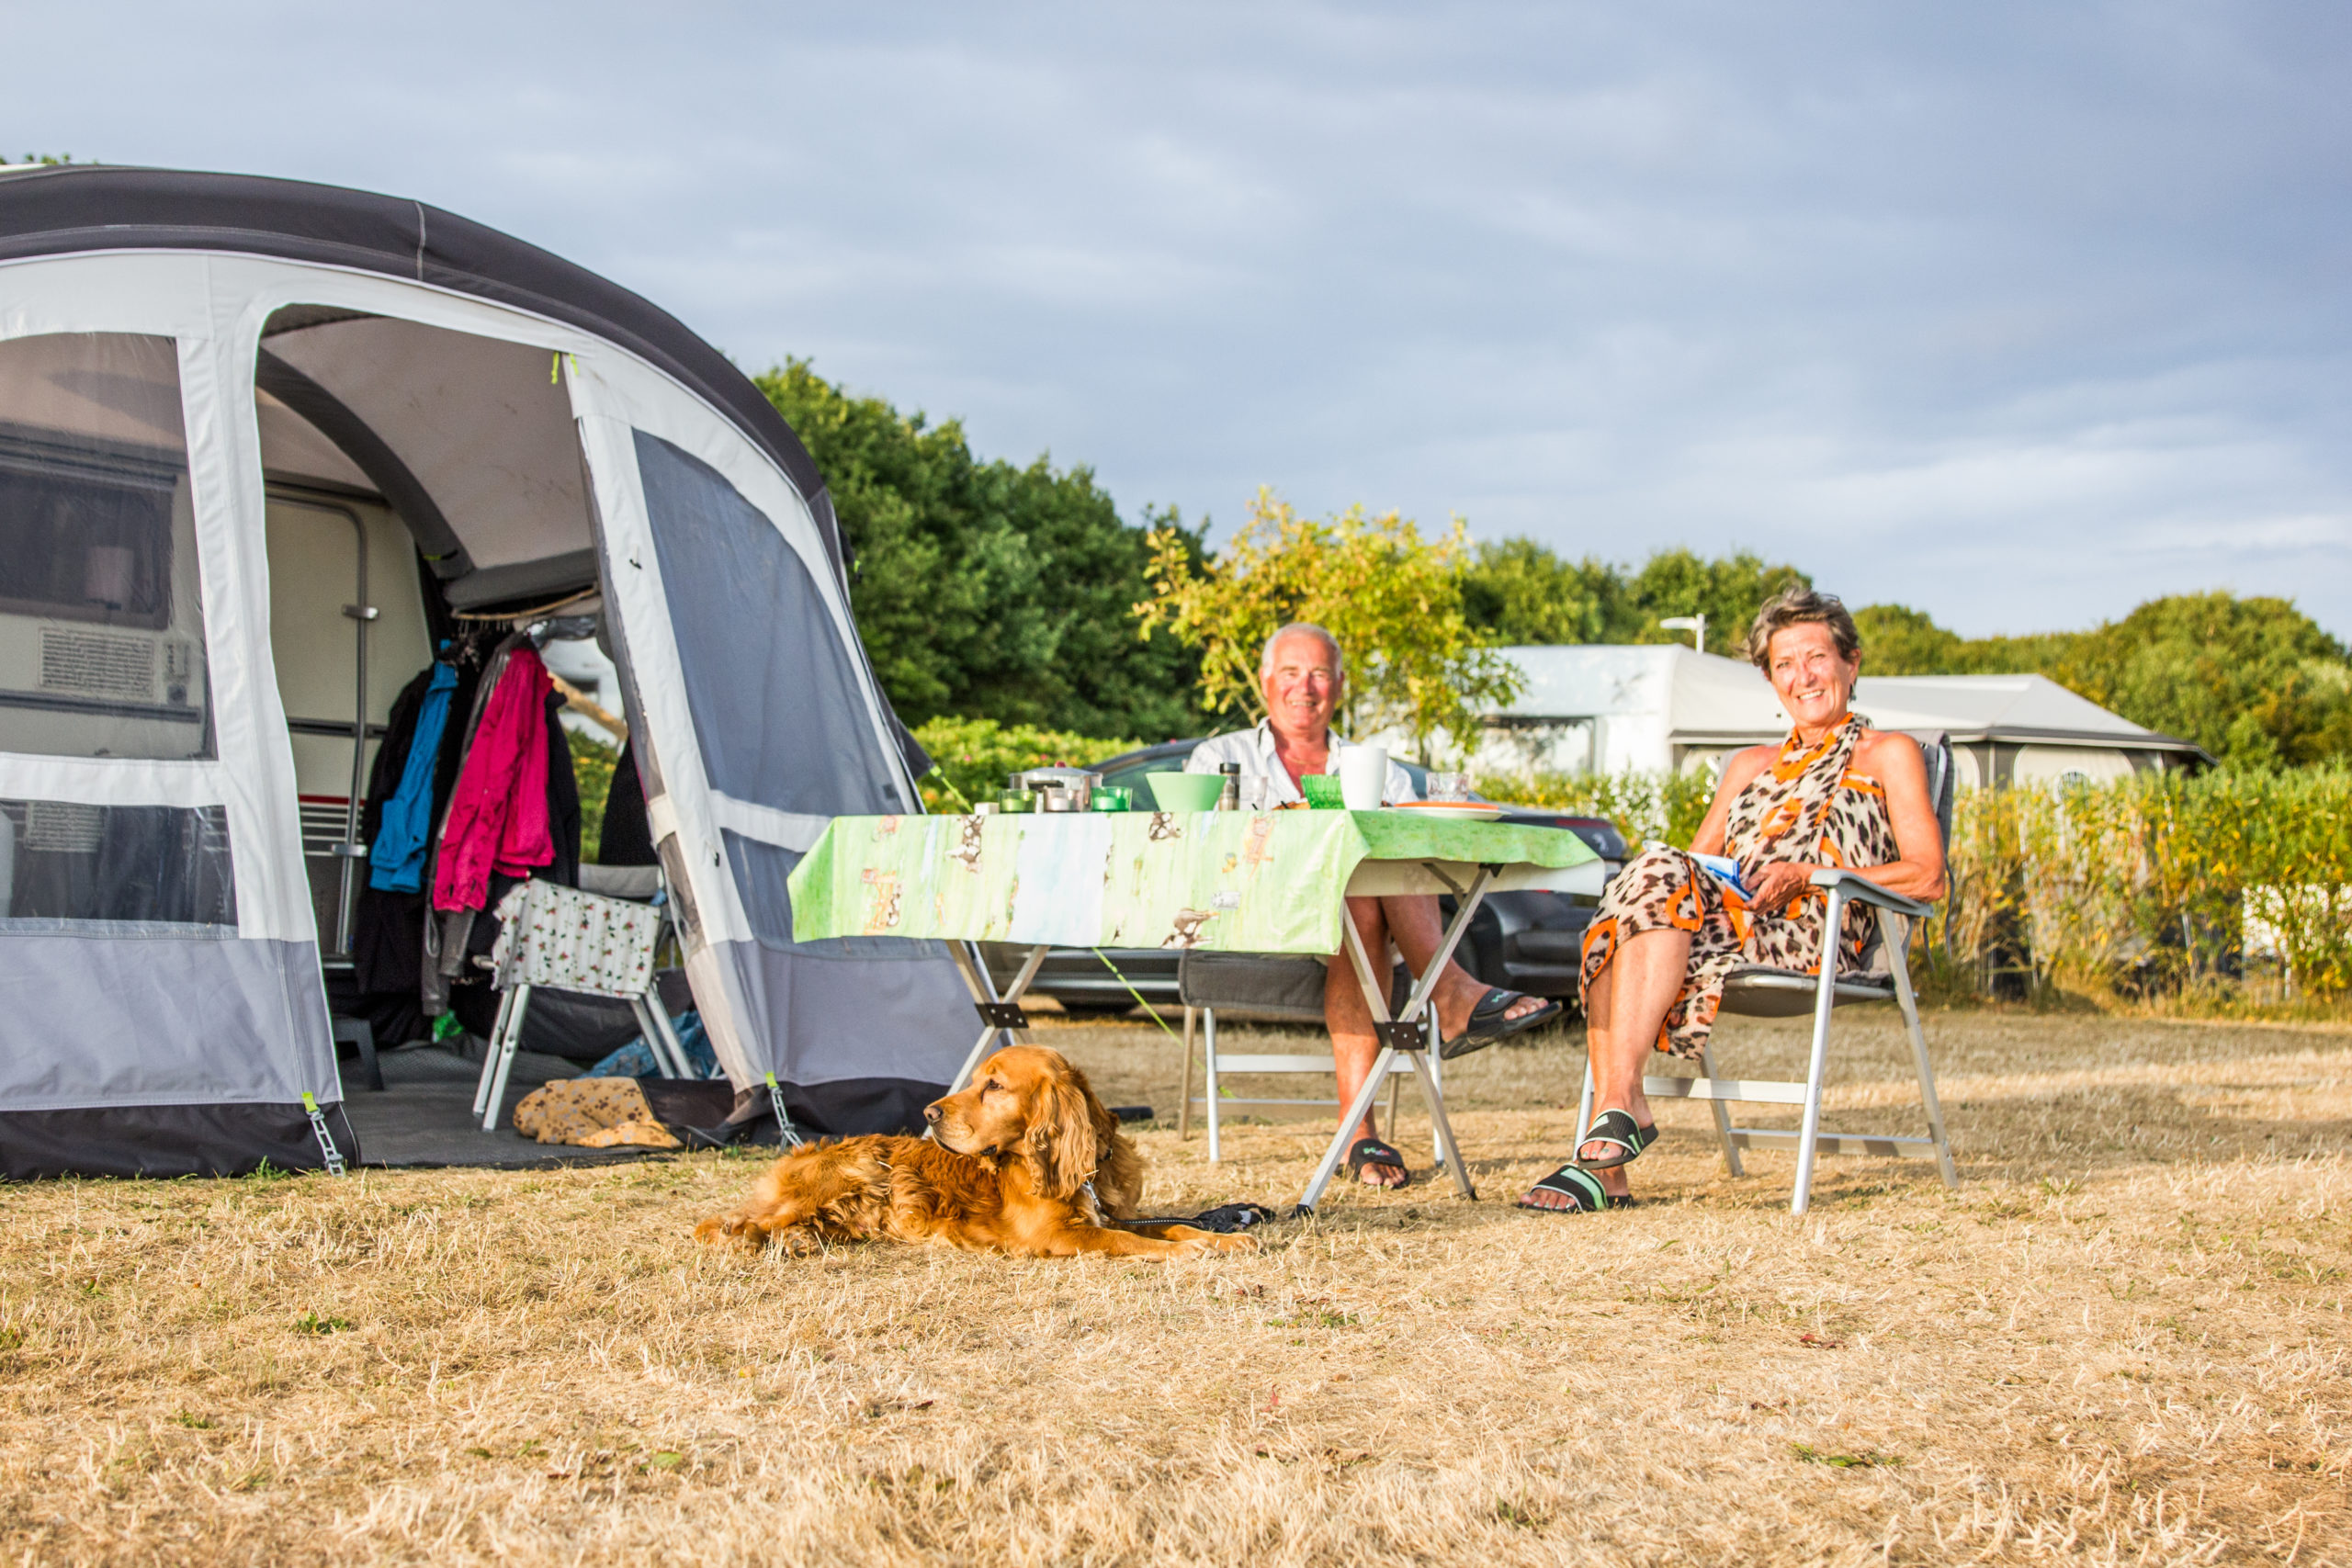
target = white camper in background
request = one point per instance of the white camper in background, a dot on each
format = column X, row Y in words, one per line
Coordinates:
column 1601, row 708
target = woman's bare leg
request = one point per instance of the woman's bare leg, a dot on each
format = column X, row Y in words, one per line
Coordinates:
column 1355, row 1046
column 1624, row 1006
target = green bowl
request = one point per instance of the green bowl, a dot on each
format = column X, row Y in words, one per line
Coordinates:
column 1322, row 791
column 1184, row 792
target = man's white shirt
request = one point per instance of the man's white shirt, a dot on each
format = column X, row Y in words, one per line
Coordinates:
column 1254, row 749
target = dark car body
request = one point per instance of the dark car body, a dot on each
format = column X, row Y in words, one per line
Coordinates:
column 1523, row 941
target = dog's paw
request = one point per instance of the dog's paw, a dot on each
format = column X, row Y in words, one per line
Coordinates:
column 720, row 1229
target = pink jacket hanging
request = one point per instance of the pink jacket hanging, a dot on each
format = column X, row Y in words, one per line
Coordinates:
column 498, row 815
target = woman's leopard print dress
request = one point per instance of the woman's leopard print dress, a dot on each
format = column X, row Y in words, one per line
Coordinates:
column 1808, row 806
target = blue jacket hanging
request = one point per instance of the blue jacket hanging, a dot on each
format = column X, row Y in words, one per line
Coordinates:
column 396, row 859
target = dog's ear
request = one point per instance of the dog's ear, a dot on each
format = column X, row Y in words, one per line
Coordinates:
column 1061, row 1145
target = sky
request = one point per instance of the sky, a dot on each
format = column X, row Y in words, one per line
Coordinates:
column 2016, row 313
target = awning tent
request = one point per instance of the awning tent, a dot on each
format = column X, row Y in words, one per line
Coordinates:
column 180, row 354
column 1613, row 708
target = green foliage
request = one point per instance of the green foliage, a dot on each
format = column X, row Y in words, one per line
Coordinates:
column 1522, row 593
column 2147, row 883
column 2255, row 682
column 592, row 761
column 49, row 160
column 983, row 588
column 1393, row 599
column 973, row 756
column 1648, row 808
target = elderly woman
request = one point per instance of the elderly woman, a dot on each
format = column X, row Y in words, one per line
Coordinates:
column 1835, row 793
column 1303, row 678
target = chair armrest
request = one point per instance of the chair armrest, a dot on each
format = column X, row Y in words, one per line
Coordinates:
column 1864, row 890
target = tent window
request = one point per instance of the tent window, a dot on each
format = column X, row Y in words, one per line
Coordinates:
column 141, row 867
column 101, row 628
column 779, row 712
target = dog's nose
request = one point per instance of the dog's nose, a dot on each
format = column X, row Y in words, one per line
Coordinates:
column 931, row 1114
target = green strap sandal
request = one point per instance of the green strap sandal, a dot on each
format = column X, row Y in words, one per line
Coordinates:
column 1616, row 1128
column 1582, row 1189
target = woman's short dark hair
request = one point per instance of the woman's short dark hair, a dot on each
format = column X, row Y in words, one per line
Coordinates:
column 1797, row 606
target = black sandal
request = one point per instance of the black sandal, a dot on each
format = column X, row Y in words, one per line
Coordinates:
column 1580, row 1188
column 1372, row 1151
column 1615, row 1127
column 1487, row 1023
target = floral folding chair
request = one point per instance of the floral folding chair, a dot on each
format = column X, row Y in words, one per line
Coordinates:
column 573, row 940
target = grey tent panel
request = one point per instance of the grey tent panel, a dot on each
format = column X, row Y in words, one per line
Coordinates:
column 911, row 1022
column 100, row 1022
column 783, row 720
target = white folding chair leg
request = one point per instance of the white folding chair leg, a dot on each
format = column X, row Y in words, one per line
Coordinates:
column 1896, row 936
column 1723, row 1117
column 1825, row 999
column 490, row 1050
column 1184, row 1089
column 1584, row 1104
column 1208, row 1077
column 502, row 1049
column 661, row 1039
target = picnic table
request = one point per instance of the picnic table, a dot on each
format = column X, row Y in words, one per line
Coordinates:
column 1215, row 881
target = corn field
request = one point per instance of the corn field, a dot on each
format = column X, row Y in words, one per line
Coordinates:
column 2226, row 882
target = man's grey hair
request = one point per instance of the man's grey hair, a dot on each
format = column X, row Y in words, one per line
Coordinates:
column 1307, row 629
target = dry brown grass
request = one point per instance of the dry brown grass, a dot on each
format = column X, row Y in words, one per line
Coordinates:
column 2122, row 1340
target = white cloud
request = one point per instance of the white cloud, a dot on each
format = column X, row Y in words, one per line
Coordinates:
column 2014, row 313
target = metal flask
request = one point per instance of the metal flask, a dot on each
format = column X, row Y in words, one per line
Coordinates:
column 1058, row 789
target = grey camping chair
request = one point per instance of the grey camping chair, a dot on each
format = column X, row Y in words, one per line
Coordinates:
column 1270, row 986
column 1757, row 991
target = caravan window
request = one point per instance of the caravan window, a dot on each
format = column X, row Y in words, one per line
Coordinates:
column 148, row 870
column 101, row 630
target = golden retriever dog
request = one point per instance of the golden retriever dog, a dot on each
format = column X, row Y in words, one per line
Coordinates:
column 1024, row 1161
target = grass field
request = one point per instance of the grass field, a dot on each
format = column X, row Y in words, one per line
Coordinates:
column 2122, row 1340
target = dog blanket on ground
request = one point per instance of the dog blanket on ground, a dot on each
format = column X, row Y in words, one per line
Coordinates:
column 595, row 1113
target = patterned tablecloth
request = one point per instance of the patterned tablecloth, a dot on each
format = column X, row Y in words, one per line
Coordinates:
column 1229, row 881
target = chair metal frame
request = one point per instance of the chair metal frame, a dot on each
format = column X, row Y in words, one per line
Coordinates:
column 1213, row 1064
column 1758, row 991
column 653, row 1019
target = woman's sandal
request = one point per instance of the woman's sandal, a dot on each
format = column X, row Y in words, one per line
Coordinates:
column 1372, row 1151
column 1487, row 1023
column 1615, row 1127
column 1582, row 1189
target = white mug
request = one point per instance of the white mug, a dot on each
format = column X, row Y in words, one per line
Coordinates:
column 1363, row 776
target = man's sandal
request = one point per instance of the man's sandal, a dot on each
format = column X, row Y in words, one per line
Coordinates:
column 1582, row 1189
column 1615, row 1127
column 1488, row 1024
column 1372, row 1151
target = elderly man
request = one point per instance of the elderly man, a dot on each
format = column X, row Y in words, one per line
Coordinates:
column 1302, row 675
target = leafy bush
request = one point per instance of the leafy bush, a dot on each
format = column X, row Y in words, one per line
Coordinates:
column 592, row 761
column 2148, row 882
column 973, row 755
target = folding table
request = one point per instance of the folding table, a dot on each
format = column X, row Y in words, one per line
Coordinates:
column 1229, row 882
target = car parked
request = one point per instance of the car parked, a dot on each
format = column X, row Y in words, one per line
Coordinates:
column 1525, row 941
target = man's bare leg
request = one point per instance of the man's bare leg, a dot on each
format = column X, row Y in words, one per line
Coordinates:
column 1624, row 1006
column 1355, row 1046
column 1414, row 921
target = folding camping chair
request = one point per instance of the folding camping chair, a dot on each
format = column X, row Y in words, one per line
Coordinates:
column 575, row 939
column 1269, row 985
column 1757, row 991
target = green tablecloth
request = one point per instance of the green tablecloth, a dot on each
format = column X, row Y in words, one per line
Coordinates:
column 1229, row 881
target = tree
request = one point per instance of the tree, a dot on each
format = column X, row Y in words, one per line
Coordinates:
column 983, row 590
column 2253, row 681
column 1522, row 592
column 1392, row 598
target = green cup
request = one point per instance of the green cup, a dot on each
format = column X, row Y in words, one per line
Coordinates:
column 1322, row 792
column 1109, row 798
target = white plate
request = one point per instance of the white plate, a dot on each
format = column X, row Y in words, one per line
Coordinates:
column 1454, row 810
